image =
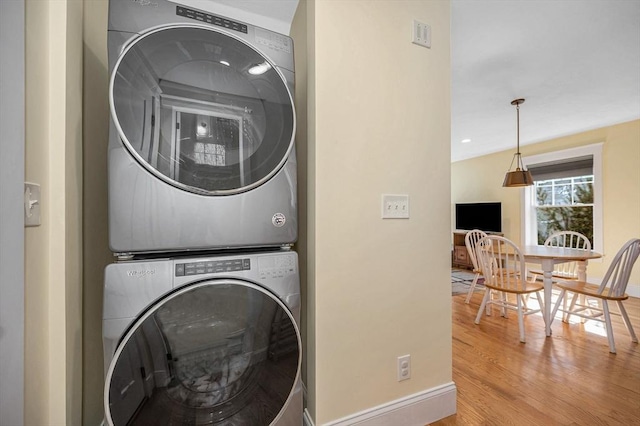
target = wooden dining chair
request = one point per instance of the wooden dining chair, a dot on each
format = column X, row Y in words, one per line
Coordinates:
column 470, row 241
column 597, row 297
column 505, row 273
column 567, row 239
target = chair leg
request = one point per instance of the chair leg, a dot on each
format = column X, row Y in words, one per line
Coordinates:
column 520, row 318
column 563, row 299
column 473, row 286
column 627, row 323
column 572, row 306
column 525, row 299
column 583, row 302
column 488, row 307
column 607, row 322
column 485, row 299
column 541, row 303
column 503, row 310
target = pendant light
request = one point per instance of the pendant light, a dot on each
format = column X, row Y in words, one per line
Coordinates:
column 520, row 176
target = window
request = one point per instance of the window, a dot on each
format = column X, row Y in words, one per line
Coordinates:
column 566, row 195
column 564, row 204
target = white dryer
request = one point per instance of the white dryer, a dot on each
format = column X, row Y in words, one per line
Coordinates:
column 201, row 142
column 203, row 340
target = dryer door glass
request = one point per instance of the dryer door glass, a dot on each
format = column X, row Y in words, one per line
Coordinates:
column 202, row 110
column 222, row 352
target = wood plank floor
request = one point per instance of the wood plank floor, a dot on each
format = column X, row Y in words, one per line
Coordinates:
column 569, row 378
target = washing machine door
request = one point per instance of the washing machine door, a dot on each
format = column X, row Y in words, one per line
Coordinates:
column 224, row 352
column 202, row 110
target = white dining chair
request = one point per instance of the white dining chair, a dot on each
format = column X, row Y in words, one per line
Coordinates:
column 470, row 240
column 597, row 296
column 566, row 270
column 505, row 272
column 567, row 239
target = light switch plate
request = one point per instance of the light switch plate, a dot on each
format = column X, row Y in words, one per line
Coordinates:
column 395, row 206
column 31, row 204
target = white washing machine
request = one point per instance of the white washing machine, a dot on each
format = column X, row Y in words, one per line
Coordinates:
column 203, row 340
column 201, row 142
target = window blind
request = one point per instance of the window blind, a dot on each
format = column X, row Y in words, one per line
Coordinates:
column 565, row 168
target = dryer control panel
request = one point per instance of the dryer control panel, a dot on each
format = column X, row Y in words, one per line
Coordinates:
column 210, row 19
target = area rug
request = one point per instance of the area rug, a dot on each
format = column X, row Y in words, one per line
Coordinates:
column 461, row 280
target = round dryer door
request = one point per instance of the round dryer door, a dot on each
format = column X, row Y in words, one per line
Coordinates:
column 223, row 352
column 202, row 109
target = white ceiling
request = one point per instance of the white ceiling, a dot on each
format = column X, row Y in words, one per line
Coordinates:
column 575, row 62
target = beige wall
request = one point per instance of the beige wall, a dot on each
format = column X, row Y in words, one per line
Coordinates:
column 480, row 179
column 379, row 119
column 53, row 251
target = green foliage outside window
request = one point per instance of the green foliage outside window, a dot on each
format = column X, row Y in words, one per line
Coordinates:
column 565, row 205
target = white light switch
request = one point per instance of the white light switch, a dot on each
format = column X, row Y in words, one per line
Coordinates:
column 395, row 206
column 31, row 204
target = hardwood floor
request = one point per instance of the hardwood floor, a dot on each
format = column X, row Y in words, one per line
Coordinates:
column 569, row 378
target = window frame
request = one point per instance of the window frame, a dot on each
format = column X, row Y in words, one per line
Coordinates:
column 528, row 212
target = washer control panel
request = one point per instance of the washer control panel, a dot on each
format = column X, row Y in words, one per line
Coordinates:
column 212, row 266
column 276, row 266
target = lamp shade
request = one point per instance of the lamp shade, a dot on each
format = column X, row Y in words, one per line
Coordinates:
column 517, row 177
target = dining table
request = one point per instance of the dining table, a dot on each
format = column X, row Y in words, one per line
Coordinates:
column 547, row 257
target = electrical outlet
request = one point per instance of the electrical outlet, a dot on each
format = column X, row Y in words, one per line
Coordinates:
column 421, row 34
column 404, row 367
column 395, row 206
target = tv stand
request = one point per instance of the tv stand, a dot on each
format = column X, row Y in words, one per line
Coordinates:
column 460, row 256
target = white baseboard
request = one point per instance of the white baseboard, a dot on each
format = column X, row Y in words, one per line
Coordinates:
column 418, row 409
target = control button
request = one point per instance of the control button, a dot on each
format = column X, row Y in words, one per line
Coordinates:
column 180, row 270
column 189, row 267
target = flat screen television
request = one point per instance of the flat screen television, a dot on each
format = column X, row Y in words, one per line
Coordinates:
column 484, row 216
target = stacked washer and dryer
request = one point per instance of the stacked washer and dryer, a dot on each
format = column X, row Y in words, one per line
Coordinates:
column 202, row 307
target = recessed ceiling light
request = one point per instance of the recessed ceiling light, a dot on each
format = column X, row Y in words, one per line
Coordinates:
column 465, row 140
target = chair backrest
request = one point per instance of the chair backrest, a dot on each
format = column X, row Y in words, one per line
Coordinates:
column 616, row 279
column 502, row 263
column 471, row 240
column 569, row 239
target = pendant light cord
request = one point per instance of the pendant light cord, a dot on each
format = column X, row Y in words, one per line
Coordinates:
column 519, row 164
column 518, row 127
